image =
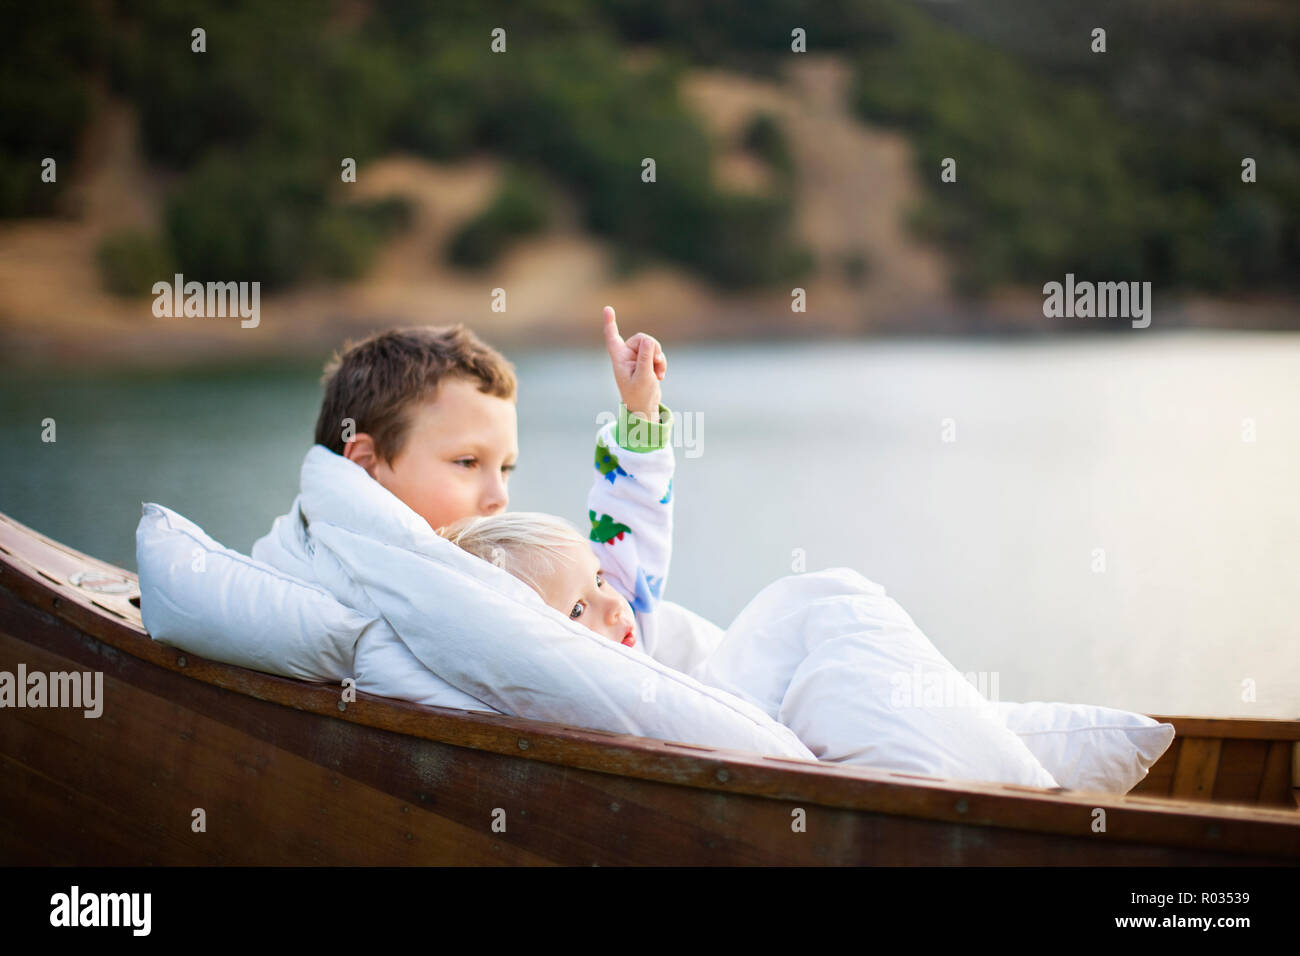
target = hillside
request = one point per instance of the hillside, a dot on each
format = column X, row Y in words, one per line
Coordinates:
column 853, row 185
column 480, row 170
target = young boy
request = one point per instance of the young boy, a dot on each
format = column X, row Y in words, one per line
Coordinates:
column 429, row 413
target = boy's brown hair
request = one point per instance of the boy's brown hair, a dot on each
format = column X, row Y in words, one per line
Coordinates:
column 378, row 381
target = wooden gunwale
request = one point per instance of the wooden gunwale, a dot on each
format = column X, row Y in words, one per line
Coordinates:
column 34, row 573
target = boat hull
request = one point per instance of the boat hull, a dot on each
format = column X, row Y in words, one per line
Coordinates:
column 279, row 772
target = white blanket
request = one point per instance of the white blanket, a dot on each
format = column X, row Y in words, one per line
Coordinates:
column 452, row 630
column 830, row 656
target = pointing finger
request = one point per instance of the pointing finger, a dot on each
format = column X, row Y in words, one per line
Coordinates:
column 612, row 338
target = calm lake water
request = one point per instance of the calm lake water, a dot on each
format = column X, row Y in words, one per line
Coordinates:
column 1088, row 520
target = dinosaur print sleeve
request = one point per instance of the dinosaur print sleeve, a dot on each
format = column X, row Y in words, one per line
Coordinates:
column 630, row 505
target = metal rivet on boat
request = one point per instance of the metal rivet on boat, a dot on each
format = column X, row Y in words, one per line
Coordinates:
column 406, row 809
column 962, row 806
column 57, row 603
column 722, row 775
column 180, row 661
column 614, row 807
column 523, row 744
column 343, row 705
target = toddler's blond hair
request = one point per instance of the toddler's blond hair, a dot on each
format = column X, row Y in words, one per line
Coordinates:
column 528, row 544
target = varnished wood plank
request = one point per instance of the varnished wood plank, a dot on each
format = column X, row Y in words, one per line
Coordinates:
column 1253, row 728
column 45, row 822
column 168, row 760
column 1198, row 761
column 62, row 563
column 1241, row 767
column 1275, row 783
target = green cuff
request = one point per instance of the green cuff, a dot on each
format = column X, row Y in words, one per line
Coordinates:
column 637, row 433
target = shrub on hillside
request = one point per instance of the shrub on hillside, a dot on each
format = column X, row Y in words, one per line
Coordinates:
column 131, row 261
column 518, row 209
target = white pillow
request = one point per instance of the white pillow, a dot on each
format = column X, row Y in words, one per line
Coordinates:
column 489, row 635
column 459, row 623
column 1086, row 747
column 846, row 669
column 204, row 598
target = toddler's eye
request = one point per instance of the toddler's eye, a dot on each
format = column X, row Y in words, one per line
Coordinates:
column 577, row 611
column 600, row 580
column 467, row 462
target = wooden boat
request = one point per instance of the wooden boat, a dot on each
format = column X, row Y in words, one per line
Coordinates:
column 287, row 773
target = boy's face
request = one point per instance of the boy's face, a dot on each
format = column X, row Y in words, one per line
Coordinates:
column 578, row 590
column 458, row 455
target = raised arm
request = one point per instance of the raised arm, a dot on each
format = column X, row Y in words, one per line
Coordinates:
column 630, row 504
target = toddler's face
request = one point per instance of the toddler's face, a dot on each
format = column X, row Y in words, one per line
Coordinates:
column 578, row 590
